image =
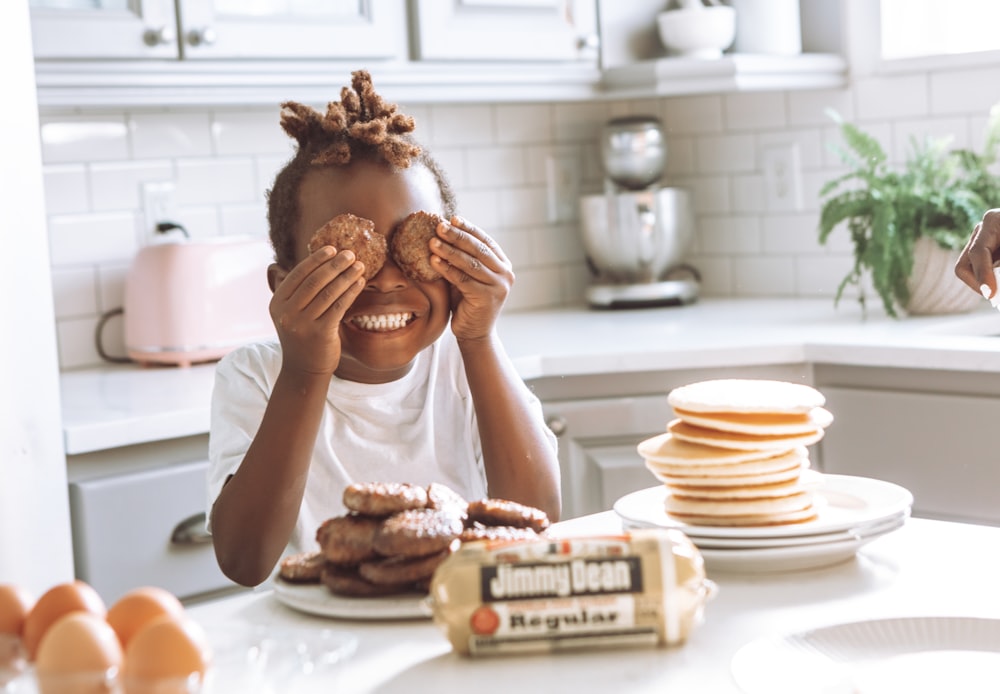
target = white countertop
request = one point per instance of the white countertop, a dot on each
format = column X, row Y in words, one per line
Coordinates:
column 117, row 406
column 927, row 568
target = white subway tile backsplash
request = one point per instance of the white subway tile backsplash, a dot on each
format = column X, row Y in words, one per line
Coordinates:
column 118, row 185
column 74, row 292
column 579, row 122
column 694, row 115
column 77, row 240
column 764, row 276
column 214, row 181
column 899, row 96
column 250, row 132
column 955, row 92
column 809, row 107
column 905, row 131
column 496, row 156
column 495, row 166
column 160, row 135
column 729, row 235
column 754, row 111
column 725, row 153
column 66, row 189
column 524, row 124
column 244, row 220
column 83, row 138
column 453, row 126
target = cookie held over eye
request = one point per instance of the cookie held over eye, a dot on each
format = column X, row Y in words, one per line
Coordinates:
column 350, row 232
column 409, row 246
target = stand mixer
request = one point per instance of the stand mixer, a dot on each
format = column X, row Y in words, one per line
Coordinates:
column 637, row 232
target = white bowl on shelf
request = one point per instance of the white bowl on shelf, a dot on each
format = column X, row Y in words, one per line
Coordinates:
column 697, row 32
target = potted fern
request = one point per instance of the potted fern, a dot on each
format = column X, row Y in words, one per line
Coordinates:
column 908, row 226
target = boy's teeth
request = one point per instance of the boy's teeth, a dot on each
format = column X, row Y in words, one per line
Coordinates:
column 382, row 321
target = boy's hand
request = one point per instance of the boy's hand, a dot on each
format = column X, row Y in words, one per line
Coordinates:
column 479, row 272
column 308, row 305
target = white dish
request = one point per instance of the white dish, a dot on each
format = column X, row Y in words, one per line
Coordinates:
column 778, row 559
column 861, row 532
column 845, row 503
column 906, row 654
column 316, row 599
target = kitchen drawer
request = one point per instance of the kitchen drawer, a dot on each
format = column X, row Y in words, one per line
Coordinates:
column 145, row 528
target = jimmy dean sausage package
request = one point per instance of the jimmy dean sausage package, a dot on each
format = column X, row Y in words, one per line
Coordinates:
column 644, row 587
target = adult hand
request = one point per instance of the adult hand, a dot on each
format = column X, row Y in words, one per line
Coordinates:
column 975, row 264
column 480, row 275
column 308, row 305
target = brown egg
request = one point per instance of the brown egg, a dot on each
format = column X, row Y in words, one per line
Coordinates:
column 163, row 655
column 79, row 642
column 140, row 606
column 60, row 600
column 15, row 603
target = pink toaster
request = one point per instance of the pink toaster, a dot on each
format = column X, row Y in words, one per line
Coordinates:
column 195, row 300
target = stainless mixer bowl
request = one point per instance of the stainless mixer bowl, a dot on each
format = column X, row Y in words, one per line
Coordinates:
column 634, row 151
column 636, row 236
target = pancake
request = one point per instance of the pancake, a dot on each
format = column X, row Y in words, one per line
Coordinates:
column 803, row 516
column 753, row 479
column 746, row 396
column 760, row 423
column 669, row 450
column 781, row 460
column 742, row 442
column 722, row 508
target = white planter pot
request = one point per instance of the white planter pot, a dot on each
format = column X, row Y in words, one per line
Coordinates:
column 934, row 288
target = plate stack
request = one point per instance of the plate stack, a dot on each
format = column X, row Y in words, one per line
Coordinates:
column 851, row 512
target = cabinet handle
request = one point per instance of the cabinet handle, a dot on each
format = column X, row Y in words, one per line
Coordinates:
column 588, row 42
column 160, row 36
column 191, row 531
column 557, row 425
column 201, row 37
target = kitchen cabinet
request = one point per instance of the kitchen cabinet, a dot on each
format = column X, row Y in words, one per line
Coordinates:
column 564, row 30
column 138, row 518
column 212, row 29
column 927, row 431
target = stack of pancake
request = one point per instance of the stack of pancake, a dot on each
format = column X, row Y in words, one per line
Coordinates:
column 736, row 453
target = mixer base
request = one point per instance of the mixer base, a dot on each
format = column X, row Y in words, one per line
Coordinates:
column 643, row 295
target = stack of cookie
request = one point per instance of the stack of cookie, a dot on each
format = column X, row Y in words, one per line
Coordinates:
column 736, row 453
column 396, row 534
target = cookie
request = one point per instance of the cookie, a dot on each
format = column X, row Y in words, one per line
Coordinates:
column 409, row 246
column 357, row 234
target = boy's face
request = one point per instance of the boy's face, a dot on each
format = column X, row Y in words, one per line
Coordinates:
column 369, row 354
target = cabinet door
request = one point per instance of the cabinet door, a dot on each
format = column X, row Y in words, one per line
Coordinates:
column 306, row 29
column 556, row 30
column 103, row 29
column 940, row 447
column 597, row 448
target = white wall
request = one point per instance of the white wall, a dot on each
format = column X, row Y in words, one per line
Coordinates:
column 35, row 547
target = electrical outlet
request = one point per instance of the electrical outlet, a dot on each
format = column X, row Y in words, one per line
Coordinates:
column 159, row 204
column 562, row 174
column 782, row 177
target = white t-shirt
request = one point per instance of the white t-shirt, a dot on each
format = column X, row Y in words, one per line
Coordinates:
column 420, row 429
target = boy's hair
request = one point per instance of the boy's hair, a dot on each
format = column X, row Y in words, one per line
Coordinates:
column 360, row 127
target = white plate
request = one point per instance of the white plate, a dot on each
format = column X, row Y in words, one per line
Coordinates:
column 861, row 532
column 882, row 656
column 846, row 502
column 778, row 559
column 317, row 599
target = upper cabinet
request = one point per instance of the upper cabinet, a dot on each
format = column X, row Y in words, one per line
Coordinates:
column 564, row 30
column 218, row 29
column 133, row 53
